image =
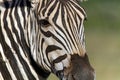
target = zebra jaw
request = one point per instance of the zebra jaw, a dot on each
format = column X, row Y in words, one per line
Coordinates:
column 79, row 69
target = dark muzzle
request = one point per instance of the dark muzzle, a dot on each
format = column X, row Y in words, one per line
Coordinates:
column 80, row 69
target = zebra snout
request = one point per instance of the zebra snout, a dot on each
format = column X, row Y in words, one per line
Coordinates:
column 60, row 64
column 80, row 69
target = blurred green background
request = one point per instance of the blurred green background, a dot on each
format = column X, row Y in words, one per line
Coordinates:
column 102, row 30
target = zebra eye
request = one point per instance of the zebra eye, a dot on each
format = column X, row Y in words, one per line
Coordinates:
column 44, row 23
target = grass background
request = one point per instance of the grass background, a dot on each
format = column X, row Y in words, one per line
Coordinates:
column 102, row 31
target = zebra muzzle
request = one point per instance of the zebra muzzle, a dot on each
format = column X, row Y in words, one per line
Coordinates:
column 80, row 69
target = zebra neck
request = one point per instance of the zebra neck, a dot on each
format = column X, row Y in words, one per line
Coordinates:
column 43, row 73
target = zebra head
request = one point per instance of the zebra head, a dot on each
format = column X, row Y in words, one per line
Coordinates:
column 58, row 41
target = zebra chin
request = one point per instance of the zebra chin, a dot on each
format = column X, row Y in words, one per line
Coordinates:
column 80, row 69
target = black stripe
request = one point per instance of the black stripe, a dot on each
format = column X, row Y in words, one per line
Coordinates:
column 15, row 47
column 64, row 20
column 64, row 24
column 22, row 3
column 79, row 8
column 54, row 20
column 49, row 34
column 10, row 57
column 12, row 60
column 42, row 49
column 7, row 49
column 39, row 69
column 80, row 23
column 59, row 59
column 24, row 46
column 73, row 28
column 51, row 48
column 76, row 15
column 43, row 5
column 21, row 42
column 52, row 7
column 64, row 40
column 3, row 69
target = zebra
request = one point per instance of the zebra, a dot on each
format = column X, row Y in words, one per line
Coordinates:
column 38, row 37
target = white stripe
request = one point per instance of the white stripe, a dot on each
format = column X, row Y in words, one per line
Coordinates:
column 15, row 22
column 69, row 40
column 26, row 59
column 33, row 71
column 78, row 11
column 1, row 77
column 28, row 63
column 46, row 12
column 9, row 44
column 23, row 54
column 20, row 67
column 10, row 70
column 21, row 17
column 8, row 64
column 2, row 52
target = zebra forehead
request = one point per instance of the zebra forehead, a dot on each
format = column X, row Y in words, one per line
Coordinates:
column 65, row 6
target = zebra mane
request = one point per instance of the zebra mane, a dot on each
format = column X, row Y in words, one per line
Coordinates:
column 7, row 4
